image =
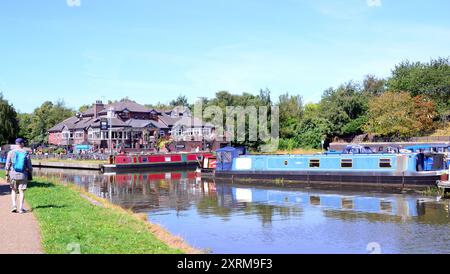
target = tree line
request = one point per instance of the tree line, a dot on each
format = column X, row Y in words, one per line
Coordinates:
column 413, row 101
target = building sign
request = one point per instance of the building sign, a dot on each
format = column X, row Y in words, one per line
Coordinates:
column 104, row 124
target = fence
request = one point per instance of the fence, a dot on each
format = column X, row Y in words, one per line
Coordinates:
column 71, row 156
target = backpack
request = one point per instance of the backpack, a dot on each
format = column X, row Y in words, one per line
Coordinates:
column 20, row 159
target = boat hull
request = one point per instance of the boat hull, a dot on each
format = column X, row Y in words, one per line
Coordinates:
column 293, row 178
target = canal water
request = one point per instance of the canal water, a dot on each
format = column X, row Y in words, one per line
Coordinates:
column 225, row 218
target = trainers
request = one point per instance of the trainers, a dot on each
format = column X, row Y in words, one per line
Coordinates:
column 22, row 211
column 14, row 210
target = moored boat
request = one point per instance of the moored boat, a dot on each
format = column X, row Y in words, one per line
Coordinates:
column 166, row 161
column 363, row 168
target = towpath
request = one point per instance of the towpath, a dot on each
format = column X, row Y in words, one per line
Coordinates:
column 19, row 233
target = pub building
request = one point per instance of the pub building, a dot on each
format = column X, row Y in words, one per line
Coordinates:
column 134, row 128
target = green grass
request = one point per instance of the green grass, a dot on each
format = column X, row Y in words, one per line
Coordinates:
column 67, row 220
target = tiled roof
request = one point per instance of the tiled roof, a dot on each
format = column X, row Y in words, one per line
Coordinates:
column 116, row 122
column 69, row 123
column 167, row 120
column 118, row 107
column 135, row 123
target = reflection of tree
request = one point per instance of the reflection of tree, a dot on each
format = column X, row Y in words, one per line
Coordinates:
column 435, row 213
column 265, row 212
column 208, row 205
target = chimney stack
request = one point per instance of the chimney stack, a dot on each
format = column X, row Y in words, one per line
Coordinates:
column 99, row 106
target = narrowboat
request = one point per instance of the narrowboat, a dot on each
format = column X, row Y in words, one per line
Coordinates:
column 346, row 168
column 166, row 161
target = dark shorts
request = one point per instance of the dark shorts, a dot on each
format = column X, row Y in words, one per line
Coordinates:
column 18, row 185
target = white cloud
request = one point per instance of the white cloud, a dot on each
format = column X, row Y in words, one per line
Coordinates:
column 373, row 3
column 73, row 3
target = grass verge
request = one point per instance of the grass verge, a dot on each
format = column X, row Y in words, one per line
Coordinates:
column 68, row 221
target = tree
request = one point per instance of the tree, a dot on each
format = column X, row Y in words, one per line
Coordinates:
column 428, row 79
column 291, row 112
column 425, row 114
column 25, row 120
column 84, row 108
column 47, row 116
column 9, row 127
column 180, row 101
column 397, row 114
column 342, row 106
column 373, row 85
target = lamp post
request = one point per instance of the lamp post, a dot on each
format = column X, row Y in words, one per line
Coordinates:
column 110, row 116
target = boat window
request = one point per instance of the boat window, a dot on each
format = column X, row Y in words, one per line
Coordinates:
column 314, row 163
column 347, row 163
column 385, row 163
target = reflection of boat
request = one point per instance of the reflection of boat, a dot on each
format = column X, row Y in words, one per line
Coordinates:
column 379, row 169
column 399, row 206
column 132, row 162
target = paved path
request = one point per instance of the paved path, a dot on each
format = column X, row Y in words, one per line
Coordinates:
column 19, row 233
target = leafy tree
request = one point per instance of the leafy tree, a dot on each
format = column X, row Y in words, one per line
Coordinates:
column 9, row 127
column 341, row 106
column 425, row 114
column 291, row 112
column 84, row 108
column 46, row 116
column 394, row 114
column 373, row 85
column 430, row 79
column 180, row 101
column 314, row 128
column 25, row 120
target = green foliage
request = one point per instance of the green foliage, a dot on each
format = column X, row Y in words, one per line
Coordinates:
column 224, row 99
column 25, row 121
column 430, row 79
column 341, row 106
column 46, row 116
column 373, row 85
column 84, row 108
column 291, row 114
column 9, row 127
column 355, row 126
column 398, row 114
column 180, row 101
column 289, row 144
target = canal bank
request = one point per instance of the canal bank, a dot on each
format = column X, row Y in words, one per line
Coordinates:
column 241, row 218
column 71, row 222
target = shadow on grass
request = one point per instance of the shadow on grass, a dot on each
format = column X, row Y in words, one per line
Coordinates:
column 40, row 184
column 49, row 206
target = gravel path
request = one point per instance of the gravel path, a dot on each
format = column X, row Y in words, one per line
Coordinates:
column 19, row 233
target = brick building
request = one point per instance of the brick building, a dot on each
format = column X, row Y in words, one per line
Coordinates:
column 133, row 126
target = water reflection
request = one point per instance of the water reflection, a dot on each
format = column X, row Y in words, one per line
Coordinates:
column 232, row 218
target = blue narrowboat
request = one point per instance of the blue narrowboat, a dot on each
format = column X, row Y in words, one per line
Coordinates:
column 347, row 168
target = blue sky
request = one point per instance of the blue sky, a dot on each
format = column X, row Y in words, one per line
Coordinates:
column 153, row 51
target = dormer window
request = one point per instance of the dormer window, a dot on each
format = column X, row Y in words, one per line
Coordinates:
column 126, row 113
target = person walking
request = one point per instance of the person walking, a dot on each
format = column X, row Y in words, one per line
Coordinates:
column 19, row 170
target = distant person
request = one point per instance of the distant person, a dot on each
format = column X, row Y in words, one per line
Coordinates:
column 18, row 170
